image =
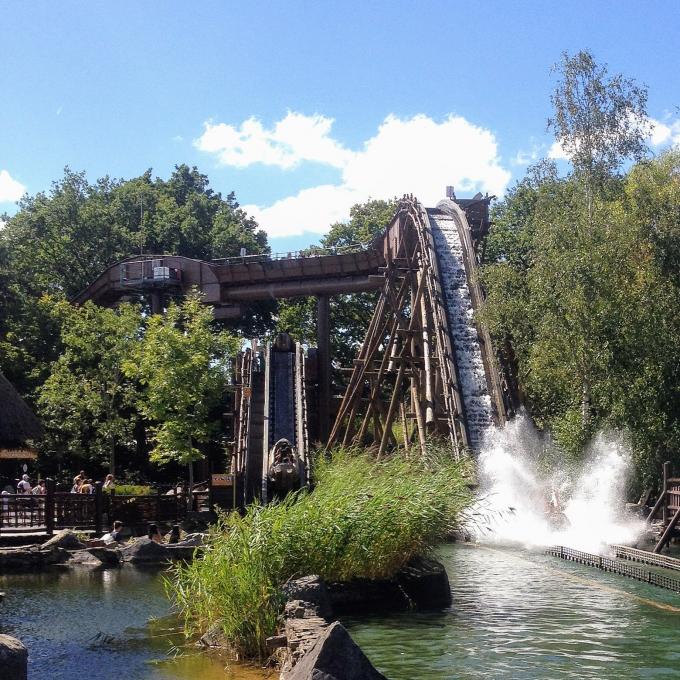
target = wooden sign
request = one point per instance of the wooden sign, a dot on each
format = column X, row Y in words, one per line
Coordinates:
column 17, row 454
column 222, row 480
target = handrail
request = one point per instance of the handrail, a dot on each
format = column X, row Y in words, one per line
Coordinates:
column 311, row 251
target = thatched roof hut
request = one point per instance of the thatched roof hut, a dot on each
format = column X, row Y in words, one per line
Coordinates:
column 18, row 424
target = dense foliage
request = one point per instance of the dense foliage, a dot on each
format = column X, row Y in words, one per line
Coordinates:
column 58, row 242
column 363, row 519
column 581, row 273
column 125, row 378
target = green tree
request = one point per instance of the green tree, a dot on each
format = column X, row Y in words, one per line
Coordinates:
column 86, row 403
column 182, row 365
column 599, row 121
column 61, row 240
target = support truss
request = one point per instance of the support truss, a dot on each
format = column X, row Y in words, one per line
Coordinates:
column 405, row 371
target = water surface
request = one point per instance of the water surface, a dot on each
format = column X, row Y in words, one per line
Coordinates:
column 521, row 615
column 96, row 624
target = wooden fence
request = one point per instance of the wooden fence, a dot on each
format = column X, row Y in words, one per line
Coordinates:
column 89, row 512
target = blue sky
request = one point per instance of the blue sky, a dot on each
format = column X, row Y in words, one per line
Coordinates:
column 302, row 108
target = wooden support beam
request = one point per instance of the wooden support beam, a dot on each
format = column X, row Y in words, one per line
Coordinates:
column 667, row 533
column 324, row 357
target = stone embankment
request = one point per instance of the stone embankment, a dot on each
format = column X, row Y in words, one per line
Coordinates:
column 66, row 549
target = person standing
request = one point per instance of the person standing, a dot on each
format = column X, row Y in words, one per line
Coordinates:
column 24, row 485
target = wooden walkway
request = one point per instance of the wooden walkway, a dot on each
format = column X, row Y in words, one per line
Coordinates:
column 616, row 566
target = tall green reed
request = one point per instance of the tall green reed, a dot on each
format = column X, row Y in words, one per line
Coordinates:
column 364, row 518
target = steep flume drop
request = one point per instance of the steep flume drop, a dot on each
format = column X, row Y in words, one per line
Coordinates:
column 523, row 500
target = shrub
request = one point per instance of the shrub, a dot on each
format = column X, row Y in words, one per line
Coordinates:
column 363, row 519
column 132, row 490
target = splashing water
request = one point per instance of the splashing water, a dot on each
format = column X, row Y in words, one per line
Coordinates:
column 520, row 503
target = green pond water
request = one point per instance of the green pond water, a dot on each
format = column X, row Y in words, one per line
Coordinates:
column 115, row 623
column 522, row 615
column 514, row 615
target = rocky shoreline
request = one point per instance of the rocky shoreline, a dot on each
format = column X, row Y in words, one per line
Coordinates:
column 66, row 550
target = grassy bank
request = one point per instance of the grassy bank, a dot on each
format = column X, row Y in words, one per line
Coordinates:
column 363, row 519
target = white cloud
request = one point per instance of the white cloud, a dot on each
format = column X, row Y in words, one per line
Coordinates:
column 294, row 139
column 311, row 210
column 557, row 152
column 10, row 189
column 663, row 133
column 415, row 155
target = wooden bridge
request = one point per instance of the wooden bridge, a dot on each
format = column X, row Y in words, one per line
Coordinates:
column 425, row 366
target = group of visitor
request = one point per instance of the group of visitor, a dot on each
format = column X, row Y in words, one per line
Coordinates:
column 83, row 484
column 24, row 486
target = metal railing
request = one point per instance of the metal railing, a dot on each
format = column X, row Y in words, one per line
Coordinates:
column 312, row 251
column 646, row 557
column 615, row 567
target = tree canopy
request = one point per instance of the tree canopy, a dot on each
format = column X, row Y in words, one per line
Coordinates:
column 59, row 241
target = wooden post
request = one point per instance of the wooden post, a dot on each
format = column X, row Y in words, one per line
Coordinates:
column 158, row 505
column 324, row 370
column 98, row 508
column 666, row 475
column 156, row 303
column 49, row 506
column 667, row 533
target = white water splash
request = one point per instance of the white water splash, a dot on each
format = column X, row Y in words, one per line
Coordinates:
column 515, row 494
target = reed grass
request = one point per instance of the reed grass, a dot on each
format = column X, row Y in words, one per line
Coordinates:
column 364, row 518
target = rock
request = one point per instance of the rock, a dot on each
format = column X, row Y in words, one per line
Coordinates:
column 13, row 659
column 54, row 555
column 426, row 583
column 144, row 551
column 275, row 642
column 109, row 557
column 191, row 540
column 214, row 637
column 334, row 656
column 365, row 595
column 175, row 551
column 83, row 558
column 31, row 557
column 66, row 539
column 422, row 583
column 310, row 589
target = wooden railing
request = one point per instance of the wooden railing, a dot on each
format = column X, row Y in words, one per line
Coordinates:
column 62, row 510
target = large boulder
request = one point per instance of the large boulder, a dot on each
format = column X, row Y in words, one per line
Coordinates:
column 311, row 589
column 334, row 656
column 95, row 557
column 144, row 551
column 422, row 583
column 83, row 558
column 66, row 539
column 13, row 659
column 31, row 557
column 426, row 583
column 109, row 557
